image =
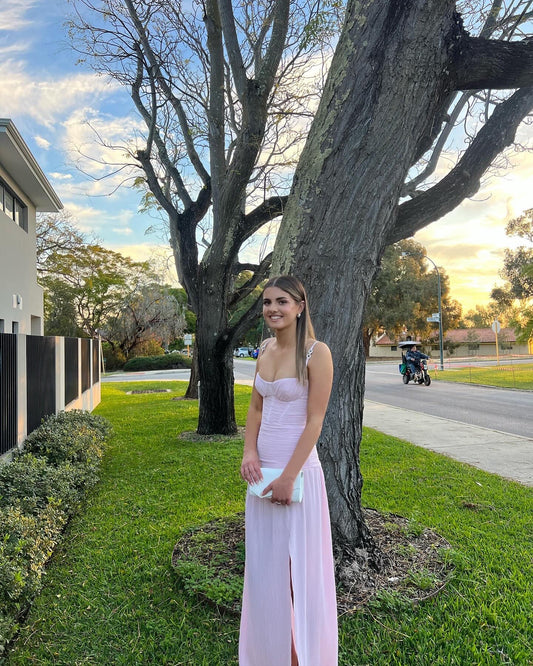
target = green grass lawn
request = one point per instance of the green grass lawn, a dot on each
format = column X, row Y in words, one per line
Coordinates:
column 513, row 375
column 111, row 596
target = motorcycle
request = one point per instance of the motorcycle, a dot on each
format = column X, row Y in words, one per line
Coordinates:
column 421, row 376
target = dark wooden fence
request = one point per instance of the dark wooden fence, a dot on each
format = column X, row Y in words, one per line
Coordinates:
column 8, row 392
column 56, row 372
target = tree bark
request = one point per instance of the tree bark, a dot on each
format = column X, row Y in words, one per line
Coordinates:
column 386, row 94
column 215, row 354
column 192, row 389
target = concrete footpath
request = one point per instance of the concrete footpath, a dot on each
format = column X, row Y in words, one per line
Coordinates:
column 510, row 456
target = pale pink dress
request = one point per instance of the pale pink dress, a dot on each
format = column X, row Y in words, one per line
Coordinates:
column 277, row 535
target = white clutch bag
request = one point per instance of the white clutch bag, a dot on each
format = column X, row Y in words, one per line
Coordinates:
column 271, row 473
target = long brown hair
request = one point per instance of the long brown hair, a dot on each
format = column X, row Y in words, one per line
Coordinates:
column 304, row 326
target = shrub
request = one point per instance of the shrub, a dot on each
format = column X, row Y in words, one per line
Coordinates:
column 166, row 362
column 26, row 544
column 150, row 347
column 39, row 491
column 114, row 359
column 30, row 483
column 73, row 436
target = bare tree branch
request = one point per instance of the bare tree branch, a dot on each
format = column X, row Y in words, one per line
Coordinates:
column 464, row 180
column 154, row 69
column 260, row 272
column 266, row 211
column 491, row 63
column 272, row 58
column 246, row 321
column 216, row 97
column 232, row 47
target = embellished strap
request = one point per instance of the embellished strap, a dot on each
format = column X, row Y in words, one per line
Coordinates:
column 263, row 346
column 310, row 352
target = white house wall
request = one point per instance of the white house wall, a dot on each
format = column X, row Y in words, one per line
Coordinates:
column 21, row 298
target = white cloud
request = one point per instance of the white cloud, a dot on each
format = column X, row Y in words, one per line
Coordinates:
column 46, row 101
column 13, row 14
column 60, row 176
column 158, row 256
column 99, row 144
column 469, row 242
column 86, row 218
column 42, row 142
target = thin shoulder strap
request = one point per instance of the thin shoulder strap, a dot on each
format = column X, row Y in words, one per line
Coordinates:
column 310, row 352
column 263, row 346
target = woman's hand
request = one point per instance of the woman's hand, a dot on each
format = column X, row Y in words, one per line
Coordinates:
column 281, row 490
column 251, row 468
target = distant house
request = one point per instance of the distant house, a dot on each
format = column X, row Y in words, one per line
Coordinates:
column 24, row 190
column 472, row 342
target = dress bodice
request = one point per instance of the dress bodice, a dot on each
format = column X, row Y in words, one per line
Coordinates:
column 283, row 420
column 286, row 389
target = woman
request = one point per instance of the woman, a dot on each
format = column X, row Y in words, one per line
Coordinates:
column 289, row 611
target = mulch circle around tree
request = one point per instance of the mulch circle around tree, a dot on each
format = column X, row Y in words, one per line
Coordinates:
column 193, row 436
column 209, row 561
column 140, row 391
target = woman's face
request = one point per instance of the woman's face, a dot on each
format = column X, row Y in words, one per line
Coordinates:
column 279, row 308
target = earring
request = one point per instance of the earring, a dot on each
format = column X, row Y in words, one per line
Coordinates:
column 299, row 315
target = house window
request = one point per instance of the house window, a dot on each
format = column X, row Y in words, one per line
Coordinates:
column 13, row 207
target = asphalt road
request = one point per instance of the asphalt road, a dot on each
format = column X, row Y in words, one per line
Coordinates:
column 506, row 410
column 498, row 409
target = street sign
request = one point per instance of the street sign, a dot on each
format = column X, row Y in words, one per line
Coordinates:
column 187, row 339
column 436, row 314
column 496, row 326
column 434, row 319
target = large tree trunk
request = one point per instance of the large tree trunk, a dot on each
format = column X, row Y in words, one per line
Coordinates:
column 382, row 103
column 215, row 357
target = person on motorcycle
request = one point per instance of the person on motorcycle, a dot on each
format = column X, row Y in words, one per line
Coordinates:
column 413, row 358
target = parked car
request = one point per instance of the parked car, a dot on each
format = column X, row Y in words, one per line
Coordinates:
column 241, row 352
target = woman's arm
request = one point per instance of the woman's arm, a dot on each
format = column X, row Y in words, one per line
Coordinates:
column 320, row 374
column 250, row 466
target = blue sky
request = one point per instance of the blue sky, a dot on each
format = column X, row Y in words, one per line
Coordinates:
column 54, row 103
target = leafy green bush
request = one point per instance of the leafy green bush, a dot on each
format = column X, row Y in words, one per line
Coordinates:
column 26, row 544
column 39, row 491
column 73, row 436
column 114, row 359
column 151, row 347
column 30, row 483
column 166, row 362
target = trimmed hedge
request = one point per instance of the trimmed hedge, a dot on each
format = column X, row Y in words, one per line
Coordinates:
column 40, row 490
column 166, row 362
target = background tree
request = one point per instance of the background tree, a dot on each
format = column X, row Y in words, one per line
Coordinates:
column 92, row 291
column 398, row 73
column 223, row 89
column 518, row 279
column 517, row 272
column 404, row 293
column 149, row 313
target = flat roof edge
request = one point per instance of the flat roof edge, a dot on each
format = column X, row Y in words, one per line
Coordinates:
column 8, row 127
